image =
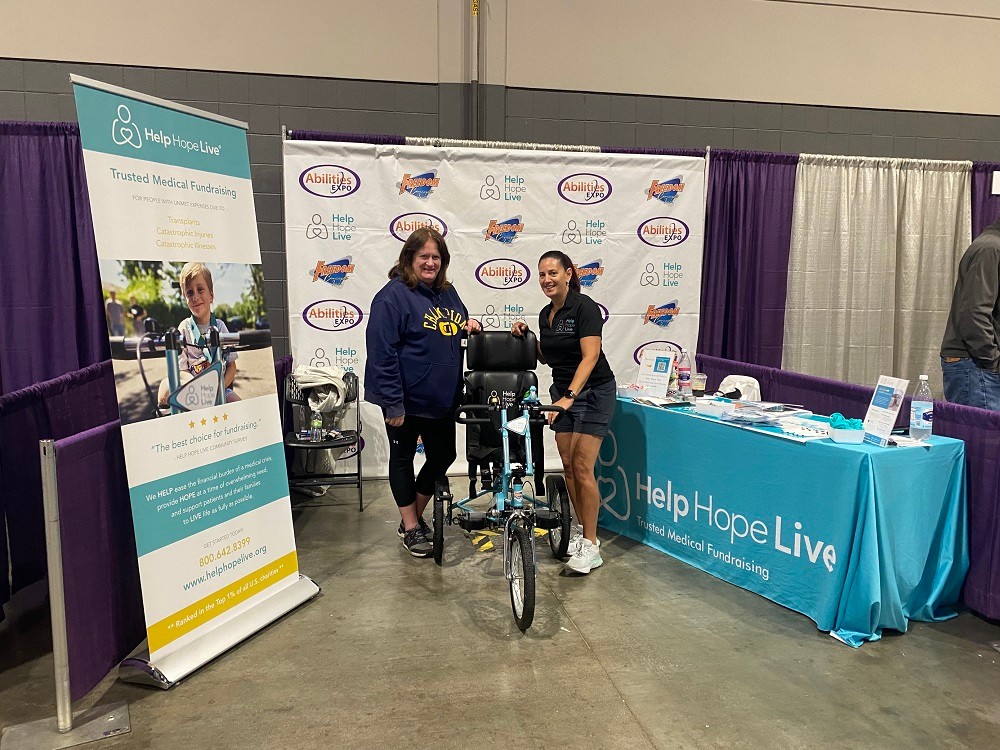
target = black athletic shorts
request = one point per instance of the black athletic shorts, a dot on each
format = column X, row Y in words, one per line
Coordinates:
column 591, row 411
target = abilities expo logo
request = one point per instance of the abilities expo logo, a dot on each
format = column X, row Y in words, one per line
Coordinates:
column 661, row 315
column 665, row 191
column 590, row 273
column 334, row 272
column 584, row 188
column 330, row 181
column 332, row 315
column 405, row 224
column 419, row 185
column 503, row 273
column 505, row 231
column 663, row 231
column 657, row 345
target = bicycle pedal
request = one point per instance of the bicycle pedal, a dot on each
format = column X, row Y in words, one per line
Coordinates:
column 473, row 521
column 547, row 519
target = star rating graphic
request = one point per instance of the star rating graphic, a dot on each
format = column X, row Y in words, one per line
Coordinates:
column 204, row 421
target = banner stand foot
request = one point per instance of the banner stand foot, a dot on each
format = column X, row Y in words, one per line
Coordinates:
column 96, row 723
column 174, row 667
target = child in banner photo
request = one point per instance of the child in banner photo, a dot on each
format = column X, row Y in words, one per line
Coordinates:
column 199, row 293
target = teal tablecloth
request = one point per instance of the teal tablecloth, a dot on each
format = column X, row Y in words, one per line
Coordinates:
column 856, row 537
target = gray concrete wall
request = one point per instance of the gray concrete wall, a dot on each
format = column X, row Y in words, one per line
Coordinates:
column 40, row 91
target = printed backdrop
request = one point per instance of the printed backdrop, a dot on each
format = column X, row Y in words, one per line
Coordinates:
column 633, row 225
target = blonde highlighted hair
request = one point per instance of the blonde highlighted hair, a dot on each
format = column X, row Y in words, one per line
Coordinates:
column 190, row 271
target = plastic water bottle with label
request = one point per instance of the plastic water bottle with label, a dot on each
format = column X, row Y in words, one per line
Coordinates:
column 684, row 374
column 316, row 433
column 921, row 411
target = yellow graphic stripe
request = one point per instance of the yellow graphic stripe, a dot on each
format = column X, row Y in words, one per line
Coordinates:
column 202, row 611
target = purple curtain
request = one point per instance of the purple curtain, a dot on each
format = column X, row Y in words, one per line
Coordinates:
column 54, row 409
column 104, row 616
column 319, row 135
column 745, row 272
column 985, row 207
column 51, row 310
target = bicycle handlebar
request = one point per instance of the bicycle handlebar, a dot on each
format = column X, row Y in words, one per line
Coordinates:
column 532, row 408
column 152, row 344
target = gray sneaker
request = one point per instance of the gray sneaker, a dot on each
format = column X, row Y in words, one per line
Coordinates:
column 428, row 531
column 416, row 542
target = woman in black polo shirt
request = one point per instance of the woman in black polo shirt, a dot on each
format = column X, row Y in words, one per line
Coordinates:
column 569, row 342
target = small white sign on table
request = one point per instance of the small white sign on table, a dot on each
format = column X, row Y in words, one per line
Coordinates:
column 655, row 367
column 883, row 410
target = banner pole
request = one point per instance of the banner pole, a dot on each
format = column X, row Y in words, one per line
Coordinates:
column 57, row 598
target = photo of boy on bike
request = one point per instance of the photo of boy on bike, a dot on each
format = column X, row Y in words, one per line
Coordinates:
column 187, row 307
column 199, row 292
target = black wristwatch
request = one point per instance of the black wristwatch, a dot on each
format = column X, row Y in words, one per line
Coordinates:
column 569, row 393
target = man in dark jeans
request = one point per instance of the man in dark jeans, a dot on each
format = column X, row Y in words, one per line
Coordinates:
column 970, row 352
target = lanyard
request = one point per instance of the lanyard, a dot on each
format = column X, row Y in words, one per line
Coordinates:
column 198, row 338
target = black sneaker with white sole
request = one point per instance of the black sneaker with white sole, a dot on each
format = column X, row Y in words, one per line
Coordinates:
column 416, row 543
column 428, row 531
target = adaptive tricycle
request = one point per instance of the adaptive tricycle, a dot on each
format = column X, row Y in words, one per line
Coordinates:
column 501, row 401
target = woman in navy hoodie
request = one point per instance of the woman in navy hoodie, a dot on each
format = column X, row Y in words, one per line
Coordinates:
column 414, row 373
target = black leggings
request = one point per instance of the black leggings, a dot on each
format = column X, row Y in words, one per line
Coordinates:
column 439, row 450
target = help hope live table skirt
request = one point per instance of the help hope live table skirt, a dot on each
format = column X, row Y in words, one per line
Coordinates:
column 856, row 537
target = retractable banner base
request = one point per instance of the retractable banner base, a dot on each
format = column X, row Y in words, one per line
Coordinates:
column 171, row 669
column 97, row 723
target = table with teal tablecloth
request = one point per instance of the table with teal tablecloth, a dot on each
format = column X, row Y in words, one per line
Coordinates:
column 858, row 538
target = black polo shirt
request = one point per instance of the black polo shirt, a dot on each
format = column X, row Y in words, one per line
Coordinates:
column 578, row 318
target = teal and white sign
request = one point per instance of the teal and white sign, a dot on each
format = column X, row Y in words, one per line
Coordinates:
column 170, row 194
column 166, row 182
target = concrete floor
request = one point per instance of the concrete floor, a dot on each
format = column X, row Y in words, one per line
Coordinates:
column 645, row 652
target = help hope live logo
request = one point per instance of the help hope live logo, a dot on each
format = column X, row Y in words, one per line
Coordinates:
column 697, row 521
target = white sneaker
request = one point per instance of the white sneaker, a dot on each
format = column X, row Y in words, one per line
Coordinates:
column 586, row 557
column 574, row 541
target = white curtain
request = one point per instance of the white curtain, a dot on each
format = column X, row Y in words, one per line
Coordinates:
column 875, row 250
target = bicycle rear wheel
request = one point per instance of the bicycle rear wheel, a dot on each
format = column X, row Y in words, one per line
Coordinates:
column 522, row 579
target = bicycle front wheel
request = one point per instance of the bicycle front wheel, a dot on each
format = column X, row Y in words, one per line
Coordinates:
column 438, row 529
column 522, row 577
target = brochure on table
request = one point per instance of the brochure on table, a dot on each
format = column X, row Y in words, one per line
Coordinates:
column 883, row 410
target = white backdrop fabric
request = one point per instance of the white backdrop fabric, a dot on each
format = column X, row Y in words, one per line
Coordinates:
column 633, row 225
column 875, row 250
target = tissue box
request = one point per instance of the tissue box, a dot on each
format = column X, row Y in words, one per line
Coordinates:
column 854, row 437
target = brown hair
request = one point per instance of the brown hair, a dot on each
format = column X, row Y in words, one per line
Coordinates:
column 567, row 264
column 404, row 266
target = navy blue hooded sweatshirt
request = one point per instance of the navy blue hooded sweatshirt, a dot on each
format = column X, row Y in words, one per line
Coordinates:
column 414, row 357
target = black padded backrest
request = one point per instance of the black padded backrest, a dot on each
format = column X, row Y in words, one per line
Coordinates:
column 499, row 350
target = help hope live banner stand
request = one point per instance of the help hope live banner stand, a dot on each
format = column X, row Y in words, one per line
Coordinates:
column 209, row 492
column 633, row 225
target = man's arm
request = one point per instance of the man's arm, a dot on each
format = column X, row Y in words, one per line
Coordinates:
column 979, row 298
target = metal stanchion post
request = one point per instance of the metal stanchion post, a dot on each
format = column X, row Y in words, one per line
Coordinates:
column 99, row 722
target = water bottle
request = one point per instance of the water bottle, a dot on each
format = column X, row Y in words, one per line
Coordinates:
column 921, row 411
column 684, row 374
column 316, row 433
